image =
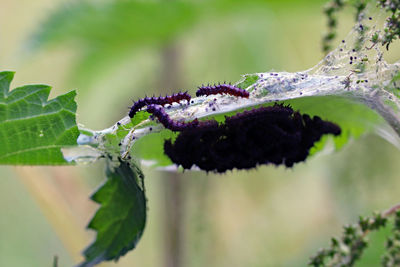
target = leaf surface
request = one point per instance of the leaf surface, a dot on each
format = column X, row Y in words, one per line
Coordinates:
column 32, row 128
column 120, row 220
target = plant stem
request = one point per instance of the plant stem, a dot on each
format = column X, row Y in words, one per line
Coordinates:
column 376, row 102
column 391, row 210
column 173, row 185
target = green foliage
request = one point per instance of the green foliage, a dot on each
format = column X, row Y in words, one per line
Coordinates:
column 106, row 33
column 392, row 29
column 151, row 147
column 133, row 23
column 392, row 26
column 248, row 80
column 330, row 10
column 396, row 78
column 121, row 219
column 97, row 24
column 112, row 141
column 55, row 261
column 349, row 248
column 109, row 31
column 354, row 118
column 392, row 256
column 33, row 129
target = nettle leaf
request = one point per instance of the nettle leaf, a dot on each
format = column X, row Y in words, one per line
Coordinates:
column 353, row 88
column 120, row 220
column 354, row 118
column 108, row 32
column 32, row 128
column 151, row 148
column 355, row 107
column 112, row 23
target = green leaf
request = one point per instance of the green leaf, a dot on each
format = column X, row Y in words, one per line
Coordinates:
column 105, row 23
column 151, row 147
column 354, row 118
column 121, row 219
column 33, row 129
column 128, row 24
column 396, row 77
column 109, row 31
column 249, row 79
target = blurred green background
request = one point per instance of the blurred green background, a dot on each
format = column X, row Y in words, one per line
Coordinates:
column 113, row 52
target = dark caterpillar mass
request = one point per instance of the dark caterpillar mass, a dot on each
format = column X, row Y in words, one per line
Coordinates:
column 157, row 100
column 168, row 123
column 222, row 89
column 268, row 135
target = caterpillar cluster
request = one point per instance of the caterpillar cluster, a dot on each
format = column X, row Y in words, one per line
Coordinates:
column 222, row 89
column 157, row 100
column 267, row 135
column 204, row 90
